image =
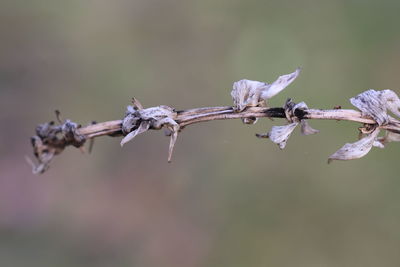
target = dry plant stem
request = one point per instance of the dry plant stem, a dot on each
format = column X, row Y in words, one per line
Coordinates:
column 249, row 103
column 99, row 129
column 191, row 116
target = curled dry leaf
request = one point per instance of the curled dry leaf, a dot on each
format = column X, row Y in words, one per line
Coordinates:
column 246, row 93
column 139, row 120
column 376, row 103
column 356, row 150
column 143, row 127
column 392, row 137
column 389, row 137
column 379, row 144
column 281, row 134
column 174, row 136
column 306, row 129
column 281, row 83
column 392, row 102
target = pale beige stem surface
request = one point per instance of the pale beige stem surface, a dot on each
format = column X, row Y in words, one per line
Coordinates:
column 191, row 116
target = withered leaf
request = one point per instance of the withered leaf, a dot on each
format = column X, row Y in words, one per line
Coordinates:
column 143, row 127
column 356, row 150
column 281, row 83
column 389, row 137
column 174, row 136
column 376, row 103
column 392, row 102
column 306, row 129
column 281, row 134
column 247, row 93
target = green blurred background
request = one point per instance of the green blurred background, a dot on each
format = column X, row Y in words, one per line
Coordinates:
column 228, row 198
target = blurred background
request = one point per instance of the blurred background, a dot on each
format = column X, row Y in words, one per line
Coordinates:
column 228, row 198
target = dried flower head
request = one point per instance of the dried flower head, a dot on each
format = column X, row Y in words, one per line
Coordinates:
column 281, row 134
column 247, row 93
column 138, row 120
column 374, row 104
column 50, row 140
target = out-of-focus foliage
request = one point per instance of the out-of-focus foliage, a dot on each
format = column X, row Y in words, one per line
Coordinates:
column 212, row 206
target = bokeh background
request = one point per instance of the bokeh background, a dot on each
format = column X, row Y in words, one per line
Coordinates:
column 228, row 198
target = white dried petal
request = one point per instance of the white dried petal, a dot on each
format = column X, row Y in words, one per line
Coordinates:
column 246, row 93
column 301, row 105
column 129, row 122
column 158, row 124
column 375, row 104
column 306, row 129
column 281, row 134
column 175, row 130
column 157, row 113
column 392, row 102
column 371, row 103
column 356, row 150
column 378, row 143
column 143, row 127
column 281, row 83
column 173, row 127
column 392, row 137
column 389, row 137
column 154, row 118
column 130, row 109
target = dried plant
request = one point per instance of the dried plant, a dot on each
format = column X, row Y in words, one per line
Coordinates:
column 249, row 103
